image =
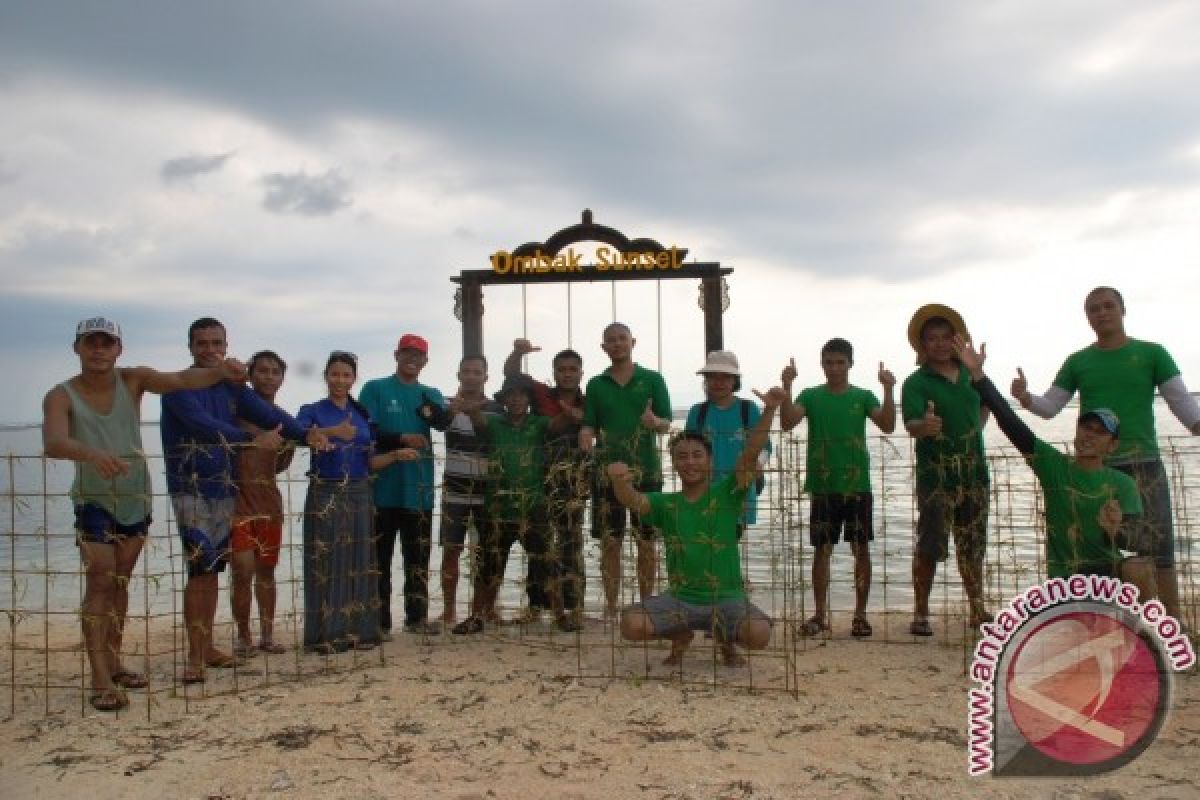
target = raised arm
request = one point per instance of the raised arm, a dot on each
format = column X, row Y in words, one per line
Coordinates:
column 790, row 413
column 621, row 478
column 146, row 379
column 1014, row 428
column 1045, row 405
column 746, row 467
column 521, row 348
column 884, row 417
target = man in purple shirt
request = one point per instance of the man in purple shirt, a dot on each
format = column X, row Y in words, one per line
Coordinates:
column 199, row 431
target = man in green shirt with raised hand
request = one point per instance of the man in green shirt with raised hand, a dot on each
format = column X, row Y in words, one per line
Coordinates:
column 626, row 406
column 838, row 472
column 1089, row 507
column 699, row 529
column 516, row 503
column 943, row 413
column 1120, row 372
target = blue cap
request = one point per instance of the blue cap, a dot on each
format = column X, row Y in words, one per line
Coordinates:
column 1106, row 416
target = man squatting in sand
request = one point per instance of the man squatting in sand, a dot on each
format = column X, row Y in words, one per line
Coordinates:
column 699, row 528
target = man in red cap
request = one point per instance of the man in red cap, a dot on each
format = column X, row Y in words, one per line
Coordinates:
column 403, row 407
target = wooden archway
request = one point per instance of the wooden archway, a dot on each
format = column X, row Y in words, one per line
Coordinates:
column 621, row 259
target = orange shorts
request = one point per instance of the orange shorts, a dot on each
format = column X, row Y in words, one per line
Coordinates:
column 259, row 535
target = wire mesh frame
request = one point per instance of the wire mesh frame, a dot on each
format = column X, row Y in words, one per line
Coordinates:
column 47, row 673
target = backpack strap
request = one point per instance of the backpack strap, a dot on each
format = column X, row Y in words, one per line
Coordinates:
column 703, row 415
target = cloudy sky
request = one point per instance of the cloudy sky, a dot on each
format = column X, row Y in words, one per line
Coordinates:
column 314, row 173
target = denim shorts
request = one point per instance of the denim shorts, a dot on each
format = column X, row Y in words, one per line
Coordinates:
column 670, row 615
column 96, row 524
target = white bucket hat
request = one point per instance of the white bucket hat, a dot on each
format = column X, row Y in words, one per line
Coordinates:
column 722, row 361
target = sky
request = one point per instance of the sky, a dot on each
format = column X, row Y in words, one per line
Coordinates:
column 313, row 174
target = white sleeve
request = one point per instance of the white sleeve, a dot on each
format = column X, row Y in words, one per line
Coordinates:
column 1180, row 401
column 1049, row 404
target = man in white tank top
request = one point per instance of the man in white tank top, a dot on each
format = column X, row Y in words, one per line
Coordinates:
column 94, row 420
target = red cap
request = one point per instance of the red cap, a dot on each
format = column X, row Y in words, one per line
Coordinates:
column 410, row 341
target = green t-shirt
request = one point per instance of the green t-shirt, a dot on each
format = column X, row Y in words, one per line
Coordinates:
column 838, row 462
column 615, row 412
column 1074, row 539
column 517, row 460
column 394, row 408
column 954, row 459
column 1123, row 380
column 700, row 540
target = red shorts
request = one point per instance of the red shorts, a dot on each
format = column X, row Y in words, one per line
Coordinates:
column 259, row 535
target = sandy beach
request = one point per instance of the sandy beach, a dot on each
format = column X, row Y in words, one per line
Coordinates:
column 519, row 713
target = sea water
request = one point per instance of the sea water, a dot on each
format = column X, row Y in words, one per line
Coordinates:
column 40, row 571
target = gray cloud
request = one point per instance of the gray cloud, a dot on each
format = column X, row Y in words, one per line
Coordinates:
column 307, row 195
column 6, row 175
column 187, row 167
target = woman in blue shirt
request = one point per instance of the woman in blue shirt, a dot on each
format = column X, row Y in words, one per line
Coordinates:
column 341, row 603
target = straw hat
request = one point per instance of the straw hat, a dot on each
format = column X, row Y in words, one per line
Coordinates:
column 928, row 312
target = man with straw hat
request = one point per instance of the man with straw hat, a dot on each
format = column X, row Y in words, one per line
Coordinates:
column 943, row 412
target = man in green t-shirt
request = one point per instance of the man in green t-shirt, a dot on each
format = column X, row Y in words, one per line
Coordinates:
column 626, row 406
column 699, row 530
column 516, row 503
column 943, row 413
column 838, row 472
column 1122, row 373
column 1089, row 506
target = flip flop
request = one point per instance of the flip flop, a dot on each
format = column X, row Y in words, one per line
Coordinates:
column 243, row 650
column 920, row 627
column 128, row 679
column 192, row 676
column 860, row 628
column 813, row 626
column 224, row 661
column 108, row 700
column 269, row 646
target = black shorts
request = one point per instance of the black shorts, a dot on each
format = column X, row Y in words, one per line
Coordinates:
column 455, row 518
column 962, row 511
column 830, row 514
column 609, row 516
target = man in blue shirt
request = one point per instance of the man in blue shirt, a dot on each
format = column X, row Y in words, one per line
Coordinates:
column 403, row 407
column 199, row 427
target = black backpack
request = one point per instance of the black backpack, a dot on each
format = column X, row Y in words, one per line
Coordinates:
column 760, row 482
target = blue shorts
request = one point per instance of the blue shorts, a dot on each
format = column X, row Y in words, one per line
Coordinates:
column 204, row 527
column 96, row 524
column 670, row 615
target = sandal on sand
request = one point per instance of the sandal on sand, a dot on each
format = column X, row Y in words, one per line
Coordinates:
column 223, row 661
column 860, row 628
column 191, row 676
column 108, row 700
column 813, row 626
column 128, row 679
column 920, row 627
column 271, row 646
column 981, row 616
column 243, row 650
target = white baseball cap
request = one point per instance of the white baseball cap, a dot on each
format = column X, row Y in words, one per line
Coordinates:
column 98, row 325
